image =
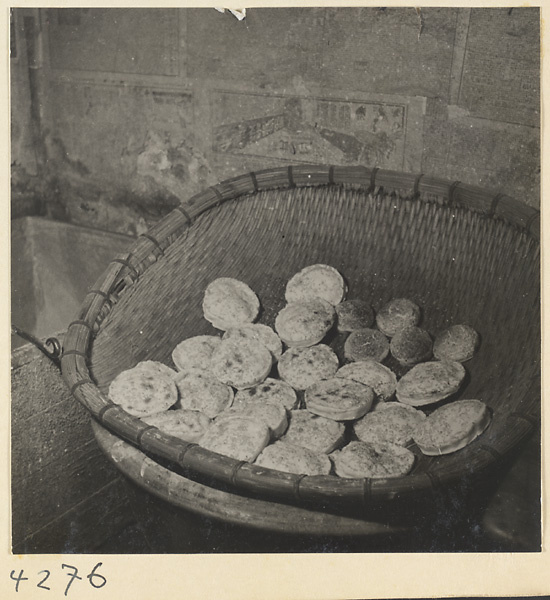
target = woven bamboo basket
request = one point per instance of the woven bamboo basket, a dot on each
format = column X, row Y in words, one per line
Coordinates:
column 465, row 255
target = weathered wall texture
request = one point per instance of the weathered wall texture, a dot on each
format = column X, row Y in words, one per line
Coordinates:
column 25, row 180
column 143, row 107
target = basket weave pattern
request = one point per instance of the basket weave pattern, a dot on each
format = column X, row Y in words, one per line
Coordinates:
column 463, row 254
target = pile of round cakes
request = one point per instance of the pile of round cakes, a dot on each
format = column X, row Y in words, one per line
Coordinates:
column 281, row 397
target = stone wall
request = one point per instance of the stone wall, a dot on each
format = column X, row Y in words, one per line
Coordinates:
column 141, row 108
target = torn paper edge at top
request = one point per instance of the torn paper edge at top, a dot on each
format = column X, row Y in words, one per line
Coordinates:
column 240, row 13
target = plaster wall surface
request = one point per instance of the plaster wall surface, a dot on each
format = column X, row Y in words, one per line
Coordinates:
column 146, row 107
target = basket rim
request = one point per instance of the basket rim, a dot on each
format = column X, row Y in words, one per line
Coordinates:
column 124, row 271
column 210, row 502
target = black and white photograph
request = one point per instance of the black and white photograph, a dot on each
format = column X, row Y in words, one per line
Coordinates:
column 275, row 281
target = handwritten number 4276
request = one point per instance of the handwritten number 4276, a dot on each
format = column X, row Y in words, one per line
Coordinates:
column 96, row 580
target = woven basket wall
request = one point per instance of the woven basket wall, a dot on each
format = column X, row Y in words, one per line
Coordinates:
column 463, row 254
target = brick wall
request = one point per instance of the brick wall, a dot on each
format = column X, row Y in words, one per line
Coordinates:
column 144, row 107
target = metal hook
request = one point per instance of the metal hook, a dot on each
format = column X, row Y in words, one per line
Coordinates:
column 56, row 350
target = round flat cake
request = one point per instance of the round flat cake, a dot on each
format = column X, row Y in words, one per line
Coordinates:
column 259, row 332
column 354, row 314
column 452, row 427
column 458, row 343
column 290, row 458
column 397, row 314
column 146, row 389
column 430, row 382
column 154, row 366
column 270, row 390
column 187, row 425
column 365, row 344
column 316, row 281
column 241, row 438
column 411, row 345
column 314, row 432
column 306, row 323
column 229, row 303
column 273, row 414
column 390, row 423
column 205, row 393
column 339, row 399
column 359, row 459
column 374, row 374
column 302, row 367
column 194, row 353
column 241, row 362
